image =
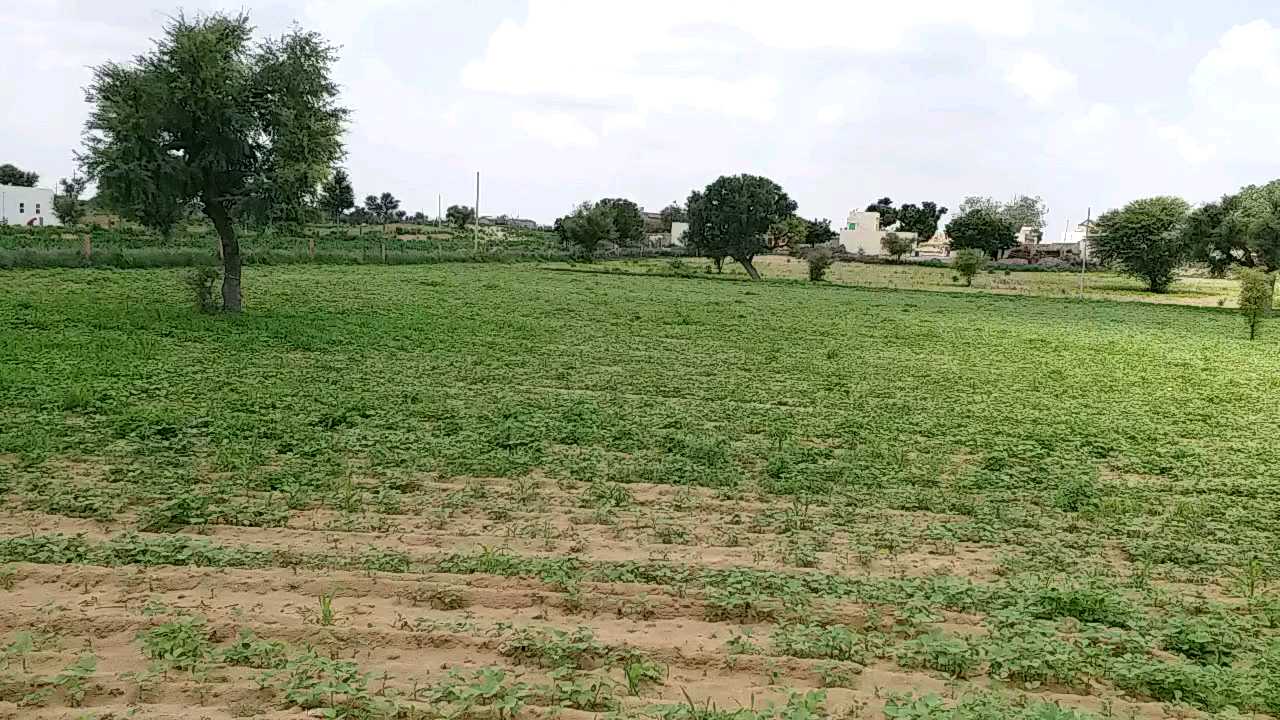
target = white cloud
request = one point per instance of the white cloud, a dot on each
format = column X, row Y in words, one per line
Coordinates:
column 1188, row 147
column 558, row 129
column 830, row 114
column 1235, row 92
column 1038, row 78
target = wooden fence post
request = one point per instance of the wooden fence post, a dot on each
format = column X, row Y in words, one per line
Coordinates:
column 86, row 248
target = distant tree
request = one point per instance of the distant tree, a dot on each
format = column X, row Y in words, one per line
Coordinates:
column 788, row 232
column 13, row 175
column 982, row 230
column 1025, row 211
column 1145, row 238
column 1257, row 291
column 1241, row 229
column 66, row 204
column 673, row 213
column 459, row 216
column 418, row 218
column 967, row 263
column 247, row 129
column 336, row 195
column 731, row 218
column 819, row 260
column 628, row 222
column 888, row 213
column 588, row 227
column 819, row 232
column 920, row 219
column 382, row 208
column 360, row 216
column 978, row 202
column 897, row 245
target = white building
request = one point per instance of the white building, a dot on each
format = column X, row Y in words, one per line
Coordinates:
column 861, row 234
column 26, row 206
column 678, row 229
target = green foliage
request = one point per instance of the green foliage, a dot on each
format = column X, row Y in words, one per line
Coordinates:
column 968, row 263
column 920, row 219
column 382, row 208
column 1145, row 239
column 208, row 116
column 732, row 216
column 982, row 230
column 897, row 245
column 551, row 648
column 250, row 651
column 67, row 204
column 588, row 228
column 1241, row 229
column 460, row 216
column 788, row 232
column 641, row 672
column 819, row 232
column 628, row 223
column 826, row 642
column 72, row 682
column 952, row 655
column 200, row 282
column 178, row 645
column 11, row 174
column 590, row 693
column 336, row 195
column 335, row 687
column 460, row 694
column 1257, row 291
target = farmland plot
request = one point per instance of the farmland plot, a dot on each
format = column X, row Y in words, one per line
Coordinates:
column 498, row 492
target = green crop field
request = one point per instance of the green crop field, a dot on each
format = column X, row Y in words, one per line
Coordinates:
column 482, row 491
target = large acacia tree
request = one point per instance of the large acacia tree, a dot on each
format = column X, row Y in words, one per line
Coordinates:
column 1145, row 238
column 210, row 118
column 731, row 218
column 1241, row 229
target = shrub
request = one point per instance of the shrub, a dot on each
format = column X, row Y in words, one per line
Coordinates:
column 819, row 260
column 1256, row 296
column 968, row 263
column 202, row 281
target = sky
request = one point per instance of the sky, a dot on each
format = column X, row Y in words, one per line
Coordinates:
column 1089, row 104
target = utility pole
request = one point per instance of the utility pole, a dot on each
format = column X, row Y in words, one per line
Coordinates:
column 476, row 234
column 1084, row 248
column 439, row 205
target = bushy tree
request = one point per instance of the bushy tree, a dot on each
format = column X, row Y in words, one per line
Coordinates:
column 67, row 205
column 11, row 174
column 819, row 260
column 786, row 233
column 896, row 245
column 673, row 213
column 731, row 218
column 888, row 213
column 1257, row 290
column 819, row 232
column 459, row 216
column 628, row 222
column 244, row 129
column 382, row 208
column 920, row 219
column 1241, row 229
column 1023, row 210
column 588, row 227
column 967, row 263
column 1145, row 238
column 984, row 230
column 337, row 196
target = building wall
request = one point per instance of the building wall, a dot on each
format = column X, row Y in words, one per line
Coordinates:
column 861, row 234
column 26, row 206
column 678, row 229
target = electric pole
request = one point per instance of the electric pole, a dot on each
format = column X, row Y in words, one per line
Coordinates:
column 476, row 234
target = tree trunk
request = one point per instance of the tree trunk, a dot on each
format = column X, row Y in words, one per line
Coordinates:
column 751, row 269
column 230, row 248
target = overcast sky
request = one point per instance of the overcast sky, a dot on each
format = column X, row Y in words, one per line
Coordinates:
column 1087, row 103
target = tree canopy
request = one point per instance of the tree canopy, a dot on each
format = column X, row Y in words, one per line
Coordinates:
column 673, row 213
column 819, row 232
column 896, row 245
column 982, row 229
column 732, row 216
column 1241, row 229
column 920, row 219
column 1145, row 238
column 459, row 216
column 246, row 130
column 628, row 223
column 67, row 204
column 11, row 174
column 1021, row 211
column 788, row 232
column 337, row 196
column 383, row 208
column 589, row 226
column 888, row 213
